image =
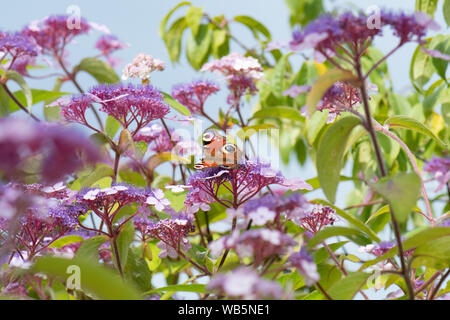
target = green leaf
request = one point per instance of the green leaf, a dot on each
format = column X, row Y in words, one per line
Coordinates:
column 89, row 248
column 247, row 132
column 220, row 45
column 63, row 241
column 427, row 6
column 163, row 24
column 124, row 241
column 193, row 18
column 412, row 242
column 279, row 76
column 100, row 70
column 38, row 96
column 89, row 177
column 17, row 78
column 112, row 126
column 352, row 219
column 401, row 190
column 172, row 38
column 254, row 26
column 322, row 84
column 314, row 125
column 4, row 102
column 175, row 104
column 52, row 114
column 421, row 69
column 200, row 288
column 279, row 112
column 412, row 124
column 138, row 271
column 379, row 212
column 348, row 286
column 331, row 153
column 198, row 47
column 304, row 11
column 333, row 231
column 434, row 254
column 98, row 281
column 446, row 12
column 441, row 64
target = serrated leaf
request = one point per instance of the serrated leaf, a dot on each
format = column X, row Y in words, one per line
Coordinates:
column 331, row 153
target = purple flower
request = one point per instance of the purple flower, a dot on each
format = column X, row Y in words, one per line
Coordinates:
column 21, row 51
column 53, row 33
column 245, row 283
column 240, row 72
column 440, row 168
column 256, row 243
column 59, row 147
column 328, row 34
column 108, row 44
column 130, row 104
column 295, row 90
column 172, row 233
column 193, row 95
column 317, row 218
column 305, row 265
column 158, row 200
column 248, row 179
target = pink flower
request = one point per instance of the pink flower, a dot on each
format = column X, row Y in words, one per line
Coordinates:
column 142, row 66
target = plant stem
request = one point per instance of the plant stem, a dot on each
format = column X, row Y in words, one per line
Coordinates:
column 437, row 287
column 371, row 130
column 20, row 105
column 321, row 289
column 116, row 166
column 77, row 85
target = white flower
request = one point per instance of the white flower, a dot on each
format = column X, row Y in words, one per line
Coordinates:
column 142, row 66
column 261, row 216
column 91, row 194
column 158, row 200
column 56, row 187
column 177, row 188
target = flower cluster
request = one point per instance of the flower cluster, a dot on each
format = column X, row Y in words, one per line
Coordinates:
column 157, row 138
column 53, row 33
column 108, row 44
column 246, row 181
column 327, row 35
column 240, row 72
column 440, row 168
column 318, row 217
column 340, row 97
column 193, row 95
column 245, row 283
column 305, row 265
column 37, row 221
column 130, row 104
column 256, row 243
column 59, row 148
column 172, row 233
column 141, row 67
column 19, row 49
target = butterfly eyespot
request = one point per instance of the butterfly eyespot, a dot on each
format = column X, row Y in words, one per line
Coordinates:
column 208, row 136
column 199, row 166
column 229, row 148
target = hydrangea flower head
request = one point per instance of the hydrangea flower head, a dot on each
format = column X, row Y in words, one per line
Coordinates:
column 193, row 95
column 317, row 218
column 54, row 32
column 20, row 49
column 142, row 66
column 305, row 265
